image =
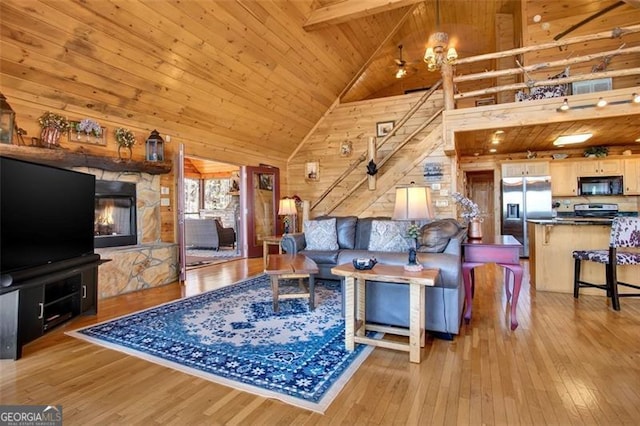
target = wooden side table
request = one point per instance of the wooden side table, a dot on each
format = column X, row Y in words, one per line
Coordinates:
column 273, row 240
column 282, row 266
column 503, row 250
column 355, row 330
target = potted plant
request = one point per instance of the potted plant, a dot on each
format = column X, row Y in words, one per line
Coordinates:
column 596, row 151
column 125, row 139
column 52, row 127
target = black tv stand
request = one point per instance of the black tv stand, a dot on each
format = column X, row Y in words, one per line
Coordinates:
column 41, row 298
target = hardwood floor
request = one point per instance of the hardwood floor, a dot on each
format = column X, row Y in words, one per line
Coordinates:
column 569, row 362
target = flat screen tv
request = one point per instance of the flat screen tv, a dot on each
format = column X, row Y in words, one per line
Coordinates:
column 46, row 215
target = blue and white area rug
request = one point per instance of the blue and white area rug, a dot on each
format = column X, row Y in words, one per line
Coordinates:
column 232, row 336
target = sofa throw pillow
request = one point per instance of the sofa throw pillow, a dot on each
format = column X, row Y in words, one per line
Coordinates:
column 434, row 237
column 321, row 234
column 389, row 235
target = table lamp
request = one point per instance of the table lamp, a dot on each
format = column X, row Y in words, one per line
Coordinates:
column 287, row 208
column 413, row 203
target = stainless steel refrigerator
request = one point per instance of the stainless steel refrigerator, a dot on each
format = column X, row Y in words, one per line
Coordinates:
column 522, row 199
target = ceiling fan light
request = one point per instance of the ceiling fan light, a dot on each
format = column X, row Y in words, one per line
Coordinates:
column 569, row 139
column 401, row 72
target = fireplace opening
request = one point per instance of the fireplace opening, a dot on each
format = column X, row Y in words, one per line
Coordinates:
column 115, row 214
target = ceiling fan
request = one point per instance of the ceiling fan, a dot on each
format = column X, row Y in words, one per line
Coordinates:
column 401, row 71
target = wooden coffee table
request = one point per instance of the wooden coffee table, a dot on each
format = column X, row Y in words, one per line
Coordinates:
column 355, row 330
column 283, row 266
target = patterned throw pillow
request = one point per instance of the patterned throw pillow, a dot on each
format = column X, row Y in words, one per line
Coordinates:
column 321, row 234
column 389, row 235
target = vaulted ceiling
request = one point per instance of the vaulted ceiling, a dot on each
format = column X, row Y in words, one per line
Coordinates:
column 252, row 77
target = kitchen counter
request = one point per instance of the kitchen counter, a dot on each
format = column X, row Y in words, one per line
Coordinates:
column 551, row 244
column 572, row 221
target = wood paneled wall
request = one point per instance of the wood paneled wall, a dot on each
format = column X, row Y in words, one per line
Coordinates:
column 355, row 122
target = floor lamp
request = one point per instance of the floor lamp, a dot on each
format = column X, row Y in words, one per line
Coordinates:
column 286, row 208
column 413, row 203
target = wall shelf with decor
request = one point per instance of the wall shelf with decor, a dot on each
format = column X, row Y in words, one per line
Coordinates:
column 64, row 158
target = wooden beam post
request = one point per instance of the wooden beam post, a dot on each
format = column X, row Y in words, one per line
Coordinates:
column 447, row 86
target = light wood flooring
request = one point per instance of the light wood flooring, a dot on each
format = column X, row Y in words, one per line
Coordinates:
column 569, row 362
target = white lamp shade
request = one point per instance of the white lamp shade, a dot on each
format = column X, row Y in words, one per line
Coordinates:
column 413, row 203
column 287, row 206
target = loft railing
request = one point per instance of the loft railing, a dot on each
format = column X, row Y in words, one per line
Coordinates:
column 615, row 33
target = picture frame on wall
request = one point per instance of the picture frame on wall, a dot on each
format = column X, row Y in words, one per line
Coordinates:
column 265, row 181
column 312, row 170
column 383, row 128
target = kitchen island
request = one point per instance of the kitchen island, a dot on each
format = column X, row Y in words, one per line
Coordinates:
column 551, row 264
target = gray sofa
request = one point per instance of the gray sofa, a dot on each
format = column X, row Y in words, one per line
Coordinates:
column 439, row 246
column 201, row 234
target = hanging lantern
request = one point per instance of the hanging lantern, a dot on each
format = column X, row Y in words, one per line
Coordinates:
column 7, row 120
column 155, row 147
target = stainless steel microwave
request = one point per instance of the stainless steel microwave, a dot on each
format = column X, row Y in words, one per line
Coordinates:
column 600, row 185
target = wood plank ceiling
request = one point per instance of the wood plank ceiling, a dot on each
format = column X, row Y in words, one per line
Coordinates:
column 243, row 76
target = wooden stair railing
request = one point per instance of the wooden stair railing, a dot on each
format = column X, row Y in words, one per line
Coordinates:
column 397, row 127
column 384, row 160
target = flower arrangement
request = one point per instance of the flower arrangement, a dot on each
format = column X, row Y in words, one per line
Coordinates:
column 413, row 231
column 53, row 120
column 89, row 127
column 470, row 210
column 125, row 137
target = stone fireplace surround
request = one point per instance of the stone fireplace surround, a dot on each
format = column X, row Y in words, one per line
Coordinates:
column 150, row 263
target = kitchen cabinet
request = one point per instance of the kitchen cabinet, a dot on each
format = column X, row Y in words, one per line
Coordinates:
column 632, row 176
column 600, row 167
column 564, row 178
column 529, row 168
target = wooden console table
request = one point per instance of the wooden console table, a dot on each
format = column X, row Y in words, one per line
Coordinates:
column 355, row 333
column 503, row 250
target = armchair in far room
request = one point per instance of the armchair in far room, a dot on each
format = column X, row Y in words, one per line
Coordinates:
column 226, row 236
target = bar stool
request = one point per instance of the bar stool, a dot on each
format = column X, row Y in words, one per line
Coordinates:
column 625, row 233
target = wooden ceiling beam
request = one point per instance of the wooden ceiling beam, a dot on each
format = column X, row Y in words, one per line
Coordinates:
column 351, row 9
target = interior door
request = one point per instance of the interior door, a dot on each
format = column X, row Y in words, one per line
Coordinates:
column 260, row 193
column 180, row 194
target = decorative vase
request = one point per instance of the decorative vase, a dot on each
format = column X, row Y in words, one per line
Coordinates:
column 475, row 229
column 127, row 156
column 50, row 136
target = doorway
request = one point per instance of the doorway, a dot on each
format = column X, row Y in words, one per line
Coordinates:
column 480, row 188
column 211, row 212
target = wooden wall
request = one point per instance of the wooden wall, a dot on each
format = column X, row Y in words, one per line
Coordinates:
column 355, row 122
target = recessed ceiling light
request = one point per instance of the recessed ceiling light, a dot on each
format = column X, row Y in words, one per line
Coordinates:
column 499, row 132
column 601, row 103
column 476, row 154
column 493, row 150
column 638, row 140
column 568, row 139
column 495, row 141
column 636, row 98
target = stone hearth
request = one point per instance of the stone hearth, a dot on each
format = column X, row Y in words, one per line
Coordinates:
column 150, row 263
